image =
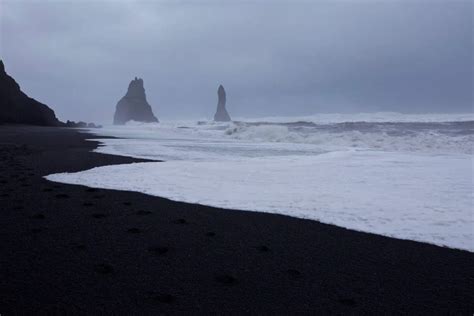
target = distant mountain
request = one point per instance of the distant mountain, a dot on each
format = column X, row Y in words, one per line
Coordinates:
column 134, row 106
column 17, row 108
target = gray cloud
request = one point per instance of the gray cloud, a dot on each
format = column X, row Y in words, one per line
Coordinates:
column 274, row 58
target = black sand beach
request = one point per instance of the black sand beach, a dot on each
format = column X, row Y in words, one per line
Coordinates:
column 77, row 250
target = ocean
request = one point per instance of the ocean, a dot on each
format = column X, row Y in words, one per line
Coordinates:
column 407, row 176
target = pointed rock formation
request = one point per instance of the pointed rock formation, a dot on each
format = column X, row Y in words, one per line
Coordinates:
column 221, row 113
column 134, row 106
column 17, row 108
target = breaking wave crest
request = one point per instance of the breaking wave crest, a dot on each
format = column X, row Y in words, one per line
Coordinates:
column 416, row 137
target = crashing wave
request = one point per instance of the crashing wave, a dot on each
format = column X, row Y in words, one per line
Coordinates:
column 391, row 137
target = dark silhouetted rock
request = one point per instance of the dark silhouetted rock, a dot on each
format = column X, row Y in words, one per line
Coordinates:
column 80, row 124
column 134, row 106
column 221, row 113
column 17, row 108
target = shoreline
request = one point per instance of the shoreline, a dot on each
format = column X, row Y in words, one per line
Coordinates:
column 208, row 187
column 69, row 248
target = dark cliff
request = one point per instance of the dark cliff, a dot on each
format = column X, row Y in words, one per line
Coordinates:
column 17, row 108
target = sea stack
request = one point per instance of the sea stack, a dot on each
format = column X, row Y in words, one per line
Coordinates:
column 17, row 108
column 221, row 113
column 134, row 106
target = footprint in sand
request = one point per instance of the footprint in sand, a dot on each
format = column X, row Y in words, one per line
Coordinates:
column 294, row 274
column 39, row 216
column 180, row 221
column 159, row 250
column 226, row 279
column 79, row 246
column 161, row 297
column 134, row 230
column 263, row 248
column 347, row 302
column 104, row 268
column 142, row 212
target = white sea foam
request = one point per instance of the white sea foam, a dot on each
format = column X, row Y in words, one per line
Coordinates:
column 414, row 197
column 412, row 179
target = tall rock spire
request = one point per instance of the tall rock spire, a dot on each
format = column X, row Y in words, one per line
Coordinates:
column 221, row 113
column 134, row 106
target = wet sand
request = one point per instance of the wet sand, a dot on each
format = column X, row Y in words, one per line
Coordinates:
column 73, row 249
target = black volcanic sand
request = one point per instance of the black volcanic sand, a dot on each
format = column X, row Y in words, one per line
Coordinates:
column 77, row 250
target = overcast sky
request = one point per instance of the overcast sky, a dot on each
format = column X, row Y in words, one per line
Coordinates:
column 273, row 58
